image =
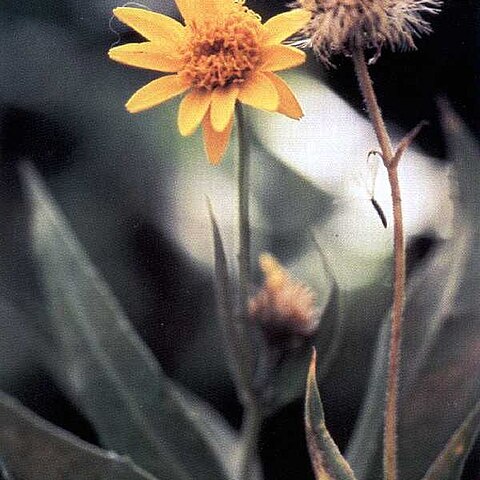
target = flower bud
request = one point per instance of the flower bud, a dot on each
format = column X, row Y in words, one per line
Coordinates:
column 283, row 305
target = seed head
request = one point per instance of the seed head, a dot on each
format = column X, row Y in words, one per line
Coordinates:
column 283, row 305
column 341, row 26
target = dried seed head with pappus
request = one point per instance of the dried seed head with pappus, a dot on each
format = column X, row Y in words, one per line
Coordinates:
column 341, row 26
column 283, row 305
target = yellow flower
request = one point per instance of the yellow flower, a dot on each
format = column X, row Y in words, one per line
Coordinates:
column 222, row 54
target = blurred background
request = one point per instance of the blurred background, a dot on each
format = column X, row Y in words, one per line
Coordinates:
column 134, row 193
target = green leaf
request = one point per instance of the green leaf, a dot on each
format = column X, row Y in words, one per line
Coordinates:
column 37, row 450
column 327, row 461
column 290, row 203
column 440, row 356
column 332, row 324
column 449, row 464
column 228, row 320
column 225, row 442
column 365, row 447
column 463, row 150
column 441, row 382
column 107, row 368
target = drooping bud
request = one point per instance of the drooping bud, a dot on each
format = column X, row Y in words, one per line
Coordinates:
column 283, row 305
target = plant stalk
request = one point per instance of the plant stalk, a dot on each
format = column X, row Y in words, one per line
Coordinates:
column 252, row 417
column 246, row 340
column 243, row 210
column 251, row 426
column 390, row 160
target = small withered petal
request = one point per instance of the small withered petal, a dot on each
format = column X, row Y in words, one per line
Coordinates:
column 283, row 304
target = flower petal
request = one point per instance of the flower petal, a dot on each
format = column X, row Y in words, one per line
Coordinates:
column 259, row 92
column 153, row 56
column 288, row 104
column 215, row 142
column 157, row 92
column 192, row 110
column 223, row 105
column 282, row 26
column 281, row 57
column 151, row 25
column 198, row 9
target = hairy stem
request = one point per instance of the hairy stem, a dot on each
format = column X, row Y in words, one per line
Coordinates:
column 252, row 416
column 243, row 204
column 399, row 269
column 366, row 87
column 391, row 407
column 246, row 340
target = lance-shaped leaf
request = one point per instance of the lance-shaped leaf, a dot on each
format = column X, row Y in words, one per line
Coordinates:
column 105, row 366
column 365, row 447
column 36, row 450
column 449, row 464
column 327, row 461
column 333, row 315
column 228, row 320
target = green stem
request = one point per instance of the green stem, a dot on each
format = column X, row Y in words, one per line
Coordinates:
column 252, row 411
column 243, row 211
column 246, row 340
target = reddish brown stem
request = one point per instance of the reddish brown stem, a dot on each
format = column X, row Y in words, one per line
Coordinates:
column 366, row 87
column 399, row 278
column 390, row 160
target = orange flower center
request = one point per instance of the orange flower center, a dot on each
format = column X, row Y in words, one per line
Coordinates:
column 222, row 51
